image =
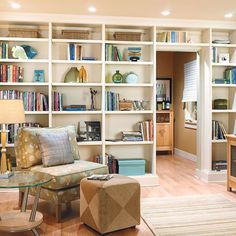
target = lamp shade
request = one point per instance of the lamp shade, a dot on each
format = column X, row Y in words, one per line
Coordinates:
column 11, row 111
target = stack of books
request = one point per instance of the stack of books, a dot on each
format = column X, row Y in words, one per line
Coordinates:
column 134, row 53
column 219, row 165
column 112, row 101
column 57, row 101
column 74, row 51
column 33, row 101
column 132, row 136
column 74, row 108
column 3, row 50
column 112, row 164
column 146, row 129
column 218, row 130
column 112, row 53
column 11, row 73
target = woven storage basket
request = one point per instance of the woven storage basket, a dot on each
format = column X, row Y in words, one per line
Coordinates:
column 127, row 36
column 75, row 34
column 23, row 33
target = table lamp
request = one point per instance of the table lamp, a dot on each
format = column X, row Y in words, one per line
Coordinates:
column 11, row 112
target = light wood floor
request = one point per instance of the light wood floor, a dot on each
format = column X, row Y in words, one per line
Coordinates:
column 176, row 179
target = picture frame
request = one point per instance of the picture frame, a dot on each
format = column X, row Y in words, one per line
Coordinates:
column 39, row 76
column 163, row 89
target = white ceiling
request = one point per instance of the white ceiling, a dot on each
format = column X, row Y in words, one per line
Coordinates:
column 181, row 9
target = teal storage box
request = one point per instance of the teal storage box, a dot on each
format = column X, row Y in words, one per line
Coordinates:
column 131, row 167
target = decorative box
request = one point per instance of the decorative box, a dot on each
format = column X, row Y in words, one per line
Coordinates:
column 220, row 104
column 127, row 36
column 126, row 105
column 23, row 33
column 75, row 34
column 130, row 167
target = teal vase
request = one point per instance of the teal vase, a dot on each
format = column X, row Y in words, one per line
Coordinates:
column 117, row 77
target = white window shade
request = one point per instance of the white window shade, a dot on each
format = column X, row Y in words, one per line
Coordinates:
column 191, row 75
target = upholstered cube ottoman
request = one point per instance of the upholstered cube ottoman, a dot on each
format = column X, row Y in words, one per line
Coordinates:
column 110, row 205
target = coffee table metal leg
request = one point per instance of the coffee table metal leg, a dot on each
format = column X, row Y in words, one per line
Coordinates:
column 25, row 199
column 36, row 200
column 34, row 231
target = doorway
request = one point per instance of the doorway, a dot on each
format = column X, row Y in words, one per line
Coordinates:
column 175, row 66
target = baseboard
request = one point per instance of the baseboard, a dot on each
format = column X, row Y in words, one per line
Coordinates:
column 185, row 155
column 212, row 176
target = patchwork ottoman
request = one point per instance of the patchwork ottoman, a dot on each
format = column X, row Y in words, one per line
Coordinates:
column 110, row 205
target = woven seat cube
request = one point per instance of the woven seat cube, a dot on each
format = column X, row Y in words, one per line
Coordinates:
column 111, row 205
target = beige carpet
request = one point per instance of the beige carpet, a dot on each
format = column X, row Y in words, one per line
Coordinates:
column 200, row 215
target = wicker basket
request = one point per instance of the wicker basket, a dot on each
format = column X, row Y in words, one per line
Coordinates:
column 23, row 33
column 75, row 34
column 127, row 36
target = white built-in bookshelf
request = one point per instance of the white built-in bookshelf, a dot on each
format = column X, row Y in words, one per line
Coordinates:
column 52, row 58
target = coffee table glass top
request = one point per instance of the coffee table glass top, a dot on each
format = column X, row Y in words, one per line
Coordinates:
column 22, row 179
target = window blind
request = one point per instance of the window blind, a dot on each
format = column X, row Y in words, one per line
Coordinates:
column 191, row 75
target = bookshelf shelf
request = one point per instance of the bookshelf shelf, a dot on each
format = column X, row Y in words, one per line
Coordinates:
column 219, row 141
column 128, row 112
column 119, row 143
column 25, row 60
column 30, row 84
column 91, row 143
column 85, row 41
column 224, row 85
column 14, row 39
column 76, row 84
column 76, row 112
column 129, row 85
column 183, row 44
column 220, row 45
column 223, row 111
column 137, row 63
column 116, row 42
column 76, row 62
column 223, row 65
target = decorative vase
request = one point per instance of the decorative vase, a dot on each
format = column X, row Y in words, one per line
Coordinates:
column 71, row 75
column 117, row 77
column 130, row 78
column 30, row 52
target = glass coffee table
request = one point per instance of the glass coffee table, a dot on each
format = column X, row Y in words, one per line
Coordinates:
column 23, row 220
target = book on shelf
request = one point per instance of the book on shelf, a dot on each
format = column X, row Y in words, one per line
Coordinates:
column 214, row 54
column 112, row 163
column 132, row 136
column 219, row 165
column 74, row 108
column 11, row 73
column 172, row 37
column 4, row 49
column 221, row 41
column 146, row 129
column 33, row 101
column 230, row 75
column 74, row 51
column 57, row 101
column 98, row 159
column 112, row 53
column 218, row 130
column 112, row 101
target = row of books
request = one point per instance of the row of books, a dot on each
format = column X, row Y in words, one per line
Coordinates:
column 112, row 53
column 218, row 130
column 172, row 37
column 11, row 73
column 110, row 161
column 230, row 75
column 146, row 129
column 13, row 128
column 219, row 165
column 3, row 50
column 57, row 100
column 112, row 101
column 33, row 101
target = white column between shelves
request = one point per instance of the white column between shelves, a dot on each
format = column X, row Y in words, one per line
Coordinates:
column 103, row 94
column 50, row 73
column 153, row 161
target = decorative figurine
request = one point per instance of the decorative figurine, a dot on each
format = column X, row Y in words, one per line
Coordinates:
column 19, row 53
column 82, row 75
column 93, row 92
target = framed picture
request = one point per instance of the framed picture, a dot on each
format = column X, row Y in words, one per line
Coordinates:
column 163, row 89
column 38, row 75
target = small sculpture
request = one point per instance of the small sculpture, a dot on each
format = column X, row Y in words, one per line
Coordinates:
column 19, row 53
column 82, row 75
column 30, row 52
column 93, row 92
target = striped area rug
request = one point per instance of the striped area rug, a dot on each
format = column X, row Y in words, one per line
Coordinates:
column 201, row 215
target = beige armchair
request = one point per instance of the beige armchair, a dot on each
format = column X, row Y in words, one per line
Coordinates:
column 65, row 185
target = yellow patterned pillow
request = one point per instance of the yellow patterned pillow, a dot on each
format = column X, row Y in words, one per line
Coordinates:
column 27, row 148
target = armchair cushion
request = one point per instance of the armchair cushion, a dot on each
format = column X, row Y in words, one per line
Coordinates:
column 70, row 175
column 27, row 145
column 55, row 148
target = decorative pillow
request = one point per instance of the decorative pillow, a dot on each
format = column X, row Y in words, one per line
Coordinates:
column 55, row 148
column 27, row 145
